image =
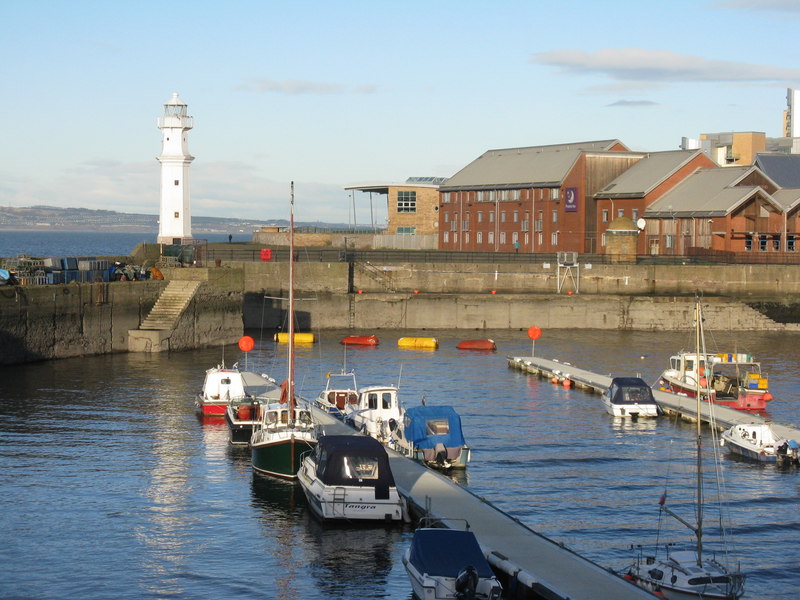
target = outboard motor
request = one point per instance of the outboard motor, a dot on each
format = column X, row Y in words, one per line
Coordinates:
column 466, row 583
column 441, row 455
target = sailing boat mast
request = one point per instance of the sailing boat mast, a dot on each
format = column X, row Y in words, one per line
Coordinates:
column 290, row 380
column 700, row 340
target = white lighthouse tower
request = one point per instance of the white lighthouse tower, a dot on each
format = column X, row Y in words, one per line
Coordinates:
column 175, row 220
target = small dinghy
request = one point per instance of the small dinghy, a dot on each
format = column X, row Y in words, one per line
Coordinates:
column 360, row 340
column 449, row 563
column 477, row 345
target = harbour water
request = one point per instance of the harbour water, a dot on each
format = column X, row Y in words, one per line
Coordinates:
column 112, row 487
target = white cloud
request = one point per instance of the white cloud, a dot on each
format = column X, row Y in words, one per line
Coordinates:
column 634, row 103
column 642, row 65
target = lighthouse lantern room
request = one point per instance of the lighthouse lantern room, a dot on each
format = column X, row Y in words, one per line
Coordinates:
column 175, row 216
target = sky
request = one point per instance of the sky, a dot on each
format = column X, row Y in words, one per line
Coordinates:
column 330, row 94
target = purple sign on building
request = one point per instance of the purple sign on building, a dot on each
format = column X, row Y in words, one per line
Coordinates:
column 571, row 200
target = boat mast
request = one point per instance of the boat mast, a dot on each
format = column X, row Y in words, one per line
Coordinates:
column 699, row 339
column 290, row 384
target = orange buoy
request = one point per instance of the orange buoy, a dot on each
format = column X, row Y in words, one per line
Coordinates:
column 554, row 379
column 360, row 340
column 246, row 343
column 477, row 345
column 567, row 383
column 534, row 333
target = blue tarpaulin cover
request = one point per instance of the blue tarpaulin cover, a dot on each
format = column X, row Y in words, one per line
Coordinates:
column 4, row 274
column 444, row 552
column 417, row 430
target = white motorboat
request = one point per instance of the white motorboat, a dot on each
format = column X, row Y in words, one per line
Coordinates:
column 694, row 573
column 378, row 412
column 349, row 477
column 757, row 441
column 341, row 391
column 630, row 397
column 444, row 564
column 222, row 386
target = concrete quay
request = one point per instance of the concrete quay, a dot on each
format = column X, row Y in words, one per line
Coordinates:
column 533, row 565
column 683, row 407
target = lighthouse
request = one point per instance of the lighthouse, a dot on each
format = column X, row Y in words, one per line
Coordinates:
column 175, row 217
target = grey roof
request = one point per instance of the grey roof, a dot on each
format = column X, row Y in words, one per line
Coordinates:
column 707, row 193
column 784, row 169
column 788, row 198
column 532, row 166
column 642, row 177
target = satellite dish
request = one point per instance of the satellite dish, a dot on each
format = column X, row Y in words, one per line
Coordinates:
column 640, row 223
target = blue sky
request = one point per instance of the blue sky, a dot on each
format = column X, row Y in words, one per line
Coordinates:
column 335, row 93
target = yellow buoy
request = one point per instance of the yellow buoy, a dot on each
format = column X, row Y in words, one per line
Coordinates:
column 418, row 342
column 299, row 338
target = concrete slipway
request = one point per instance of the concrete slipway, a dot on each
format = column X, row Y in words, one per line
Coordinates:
column 536, row 565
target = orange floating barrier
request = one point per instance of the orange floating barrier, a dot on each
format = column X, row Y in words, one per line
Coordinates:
column 360, row 340
column 477, row 345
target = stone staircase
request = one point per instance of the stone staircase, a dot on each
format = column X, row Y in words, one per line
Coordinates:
column 155, row 330
column 170, row 305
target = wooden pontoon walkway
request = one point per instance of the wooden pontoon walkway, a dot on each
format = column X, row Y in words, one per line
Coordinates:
column 536, row 565
column 682, row 406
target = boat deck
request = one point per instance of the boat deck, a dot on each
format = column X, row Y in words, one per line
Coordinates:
column 682, row 406
column 532, row 560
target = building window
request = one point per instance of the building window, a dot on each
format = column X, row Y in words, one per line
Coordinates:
column 492, row 195
column 555, row 216
column 406, row 201
column 635, row 214
column 446, row 237
column 491, row 217
column 516, row 216
column 790, row 243
column 514, row 237
column 479, row 195
column 605, row 215
column 478, row 237
column 539, row 239
column 480, row 217
column 620, row 212
column 503, row 216
column 776, row 243
column 669, row 241
column 502, row 237
column 554, row 193
column 748, row 243
column 177, row 215
column 554, row 238
column 762, row 243
column 455, row 237
column 516, row 194
column 406, row 231
column 447, row 217
column 445, row 197
column 177, row 182
column 466, row 237
column 504, row 195
column 490, row 237
column 603, row 240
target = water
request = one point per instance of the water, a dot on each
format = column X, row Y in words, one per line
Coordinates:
column 83, row 243
column 113, row 487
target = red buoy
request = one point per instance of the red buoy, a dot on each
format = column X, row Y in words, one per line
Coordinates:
column 534, row 333
column 246, row 343
column 360, row 340
column 477, row 345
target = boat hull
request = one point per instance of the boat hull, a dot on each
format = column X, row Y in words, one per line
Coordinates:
column 211, row 409
column 240, row 430
column 280, row 457
column 632, row 411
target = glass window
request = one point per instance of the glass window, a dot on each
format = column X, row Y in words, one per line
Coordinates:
column 516, row 216
column 437, row 426
column 445, row 197
column 555, row 216
column 479, row 237
column 748, row 243
column 503, row 216
column 406, row 201
column 762, row 243
column 790, row 243
column 490, row 237
column 502, row 237
column 491, row 217
column 554, row 238
column 554, row 194
column 605, row 215
column 406, row 231
column 372, row 401
column 360, row 467
column 386, row 398
column 480, row 217
column 620, row 212
column 446, row 238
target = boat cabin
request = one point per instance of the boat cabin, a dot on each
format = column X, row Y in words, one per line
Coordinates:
column 630, row 390
column 276, row 415
column 353, row 460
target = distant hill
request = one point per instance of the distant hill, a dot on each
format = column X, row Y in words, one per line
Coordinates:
column 42, row 218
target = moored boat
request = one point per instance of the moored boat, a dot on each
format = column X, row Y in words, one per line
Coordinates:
column 630, row 397
column 432, row 435
column 349, row 477
column 222, row 386
column 445, row 564
column 757, row 441
column 378, row 412
column 695, row 572
column 734, row 380
column 285, row 430
column 340, row 391
column 486, row 344
column 360, row 340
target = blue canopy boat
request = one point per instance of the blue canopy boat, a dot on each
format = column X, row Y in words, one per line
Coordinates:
column 432, row 435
